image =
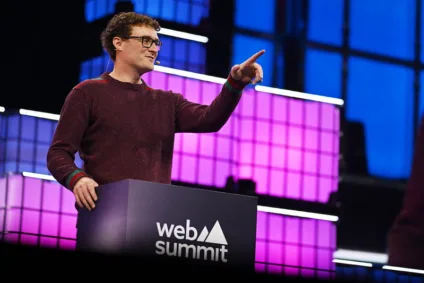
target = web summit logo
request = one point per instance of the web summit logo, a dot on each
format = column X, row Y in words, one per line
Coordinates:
column 206, row 245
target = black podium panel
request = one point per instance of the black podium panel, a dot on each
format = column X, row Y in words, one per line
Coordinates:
column 152, row 219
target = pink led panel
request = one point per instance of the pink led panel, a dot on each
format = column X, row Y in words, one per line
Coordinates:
column 295, row 246
column 44, row 213
column 289, row 147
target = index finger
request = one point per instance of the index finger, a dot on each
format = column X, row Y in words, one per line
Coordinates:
column 255, row 57
column 92, row 190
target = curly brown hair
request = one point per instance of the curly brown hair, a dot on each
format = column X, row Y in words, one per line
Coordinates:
column 121, row 25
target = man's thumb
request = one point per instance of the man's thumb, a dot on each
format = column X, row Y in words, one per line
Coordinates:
column 235, row 68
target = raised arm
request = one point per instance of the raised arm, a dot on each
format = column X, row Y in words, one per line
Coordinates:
column 194, row 117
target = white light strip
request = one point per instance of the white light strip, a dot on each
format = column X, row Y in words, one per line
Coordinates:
column 2, row 109
column 363, row 256
column 39, row 114
column 190, row 75
column 298, row 213
column 302, row 95
column 351, row 262
column 403, row 269
column 38, row 176
column 184, row 35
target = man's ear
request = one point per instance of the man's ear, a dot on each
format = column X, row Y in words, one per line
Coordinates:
column 117, row 42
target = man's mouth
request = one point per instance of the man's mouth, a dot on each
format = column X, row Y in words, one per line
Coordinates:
column 151, row 57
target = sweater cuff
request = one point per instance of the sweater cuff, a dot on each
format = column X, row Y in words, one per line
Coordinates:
column 234, row 85
column 73, row 178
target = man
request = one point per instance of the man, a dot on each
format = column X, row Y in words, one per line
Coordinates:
column 122, row 128
column 406, row 236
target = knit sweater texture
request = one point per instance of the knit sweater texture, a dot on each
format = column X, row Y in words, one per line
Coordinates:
column 126, row 131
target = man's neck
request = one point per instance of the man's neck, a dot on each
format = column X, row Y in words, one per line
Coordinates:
column 127, row 76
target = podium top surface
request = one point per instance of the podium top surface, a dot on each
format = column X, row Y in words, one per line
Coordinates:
column 130, row 184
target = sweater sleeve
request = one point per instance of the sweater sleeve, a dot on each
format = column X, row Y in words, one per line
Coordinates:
column 197, row 118
column 73, row 121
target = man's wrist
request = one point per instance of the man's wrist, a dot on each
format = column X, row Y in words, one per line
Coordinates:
column 234, row 85
column 74, row 177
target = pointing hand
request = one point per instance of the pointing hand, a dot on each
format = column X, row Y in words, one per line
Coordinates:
column 249, row 71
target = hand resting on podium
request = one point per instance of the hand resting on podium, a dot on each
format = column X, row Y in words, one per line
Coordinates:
column 85, row 193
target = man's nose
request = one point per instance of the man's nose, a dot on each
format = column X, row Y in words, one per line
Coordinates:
column 153, row 50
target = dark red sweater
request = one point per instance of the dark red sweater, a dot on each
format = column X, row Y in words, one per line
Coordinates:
column 126, row 131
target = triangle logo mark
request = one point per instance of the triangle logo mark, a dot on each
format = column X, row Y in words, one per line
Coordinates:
column 216, row 236
column 203, row 234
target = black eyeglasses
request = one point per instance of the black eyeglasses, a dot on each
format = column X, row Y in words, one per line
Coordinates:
column 147, row 41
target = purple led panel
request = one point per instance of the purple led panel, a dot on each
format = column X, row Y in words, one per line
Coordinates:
column 37, row 212
column 295, row 246
column 289, row 147
column 44, row 213
column 2, row 141
column 25, row 142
